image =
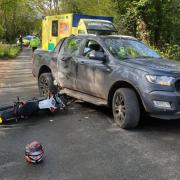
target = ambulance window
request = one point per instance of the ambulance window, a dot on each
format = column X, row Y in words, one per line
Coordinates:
column 55, row 28
column 73, row 46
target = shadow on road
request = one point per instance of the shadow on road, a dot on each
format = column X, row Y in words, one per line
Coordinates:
column 146, row 123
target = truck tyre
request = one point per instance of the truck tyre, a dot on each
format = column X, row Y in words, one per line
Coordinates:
column 126, row 108
column 45, row 83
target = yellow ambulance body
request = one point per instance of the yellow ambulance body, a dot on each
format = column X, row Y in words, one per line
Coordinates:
column 57, row 27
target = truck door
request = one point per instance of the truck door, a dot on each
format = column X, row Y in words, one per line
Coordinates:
column 67, row 64
column 91, row 74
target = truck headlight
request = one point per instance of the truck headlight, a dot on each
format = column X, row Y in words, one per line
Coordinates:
column 161, row 80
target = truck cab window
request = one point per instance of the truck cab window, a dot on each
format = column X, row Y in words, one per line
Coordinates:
column 55, row 28
column 72, row 46
column 90, row 46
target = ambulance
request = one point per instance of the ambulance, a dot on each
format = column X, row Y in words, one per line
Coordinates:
column 57, row 27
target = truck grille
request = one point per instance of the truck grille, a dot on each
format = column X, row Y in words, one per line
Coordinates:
column 177, row 85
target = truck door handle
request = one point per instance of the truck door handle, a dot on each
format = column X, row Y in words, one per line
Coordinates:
column 107, row 70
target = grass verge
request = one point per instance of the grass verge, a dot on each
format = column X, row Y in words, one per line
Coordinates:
column 8, row 51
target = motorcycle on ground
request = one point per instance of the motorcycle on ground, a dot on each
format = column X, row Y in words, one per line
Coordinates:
column 24, row 109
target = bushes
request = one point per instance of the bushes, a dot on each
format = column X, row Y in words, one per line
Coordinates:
column 8, row 51
column 168, row 51
column 171, row 51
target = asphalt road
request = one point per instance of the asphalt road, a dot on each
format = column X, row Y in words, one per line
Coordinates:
column 82, row 143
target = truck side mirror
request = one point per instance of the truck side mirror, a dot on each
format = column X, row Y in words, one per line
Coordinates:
column 97, row 55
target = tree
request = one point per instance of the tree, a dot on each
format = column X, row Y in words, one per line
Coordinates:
column 17, row 17
column 154, row 21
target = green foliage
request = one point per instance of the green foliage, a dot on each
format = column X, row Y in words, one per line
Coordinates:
column 93, row 7
column 156, row 22
column 8, row 51
column 171, row 51
column 17, row 17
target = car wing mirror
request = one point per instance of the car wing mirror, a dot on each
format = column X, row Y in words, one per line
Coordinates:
column 97, row 56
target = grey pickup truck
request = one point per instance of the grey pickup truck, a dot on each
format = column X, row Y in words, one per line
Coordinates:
column 116, row 71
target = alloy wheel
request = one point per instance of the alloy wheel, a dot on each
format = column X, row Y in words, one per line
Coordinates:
column 43, row 86
column 119, row 109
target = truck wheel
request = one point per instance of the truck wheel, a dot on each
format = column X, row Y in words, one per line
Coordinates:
column 45, row 83
column 126, row 108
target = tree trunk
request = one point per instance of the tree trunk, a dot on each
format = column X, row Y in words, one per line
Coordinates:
column 157, row 28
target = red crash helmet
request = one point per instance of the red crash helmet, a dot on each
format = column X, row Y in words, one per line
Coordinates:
column 34, row 152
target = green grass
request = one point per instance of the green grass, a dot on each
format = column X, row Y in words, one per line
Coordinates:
column 8, row 51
